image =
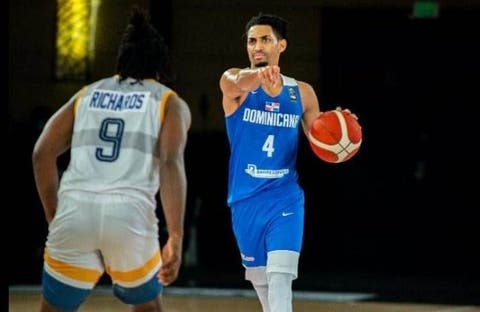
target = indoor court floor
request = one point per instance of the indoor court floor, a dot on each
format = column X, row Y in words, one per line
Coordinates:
column 26, row 299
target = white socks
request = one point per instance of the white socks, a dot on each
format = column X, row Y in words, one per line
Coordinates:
column 277, row 295
column 273, row 283
column 280, row 291
column 262, row 293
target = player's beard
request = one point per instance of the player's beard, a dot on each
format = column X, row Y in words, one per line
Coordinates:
column 261, row 64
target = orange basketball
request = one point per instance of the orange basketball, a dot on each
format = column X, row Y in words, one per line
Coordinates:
column 335, row 136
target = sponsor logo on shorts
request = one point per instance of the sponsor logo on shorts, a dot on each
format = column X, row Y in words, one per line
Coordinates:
column 247, row 258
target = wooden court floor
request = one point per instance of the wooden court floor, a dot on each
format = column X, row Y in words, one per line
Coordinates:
column 27, row 301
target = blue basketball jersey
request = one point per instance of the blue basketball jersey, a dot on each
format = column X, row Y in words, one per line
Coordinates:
column 263, row 135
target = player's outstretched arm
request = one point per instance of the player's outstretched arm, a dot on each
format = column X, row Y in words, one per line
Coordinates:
column 235, row 83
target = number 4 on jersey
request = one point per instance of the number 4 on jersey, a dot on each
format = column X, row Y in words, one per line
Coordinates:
column 268, row 145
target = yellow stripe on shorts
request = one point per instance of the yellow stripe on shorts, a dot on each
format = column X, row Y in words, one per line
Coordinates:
column 135, row 274
column 71, row 271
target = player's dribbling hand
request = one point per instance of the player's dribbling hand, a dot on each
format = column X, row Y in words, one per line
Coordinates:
column 339, row 108
column 171, row 261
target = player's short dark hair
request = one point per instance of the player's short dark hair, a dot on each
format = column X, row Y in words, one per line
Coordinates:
column 278, row 24
column 143, row 52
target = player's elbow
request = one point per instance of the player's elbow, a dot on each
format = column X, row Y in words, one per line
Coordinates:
column 38, row 154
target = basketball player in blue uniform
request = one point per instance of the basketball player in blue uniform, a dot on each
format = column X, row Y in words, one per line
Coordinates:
column 264, row 110
column 126, row 134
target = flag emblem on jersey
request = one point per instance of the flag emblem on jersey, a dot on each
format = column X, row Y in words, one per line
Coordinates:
column 272, row 106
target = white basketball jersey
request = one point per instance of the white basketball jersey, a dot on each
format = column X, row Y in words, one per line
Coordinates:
column 114, row 146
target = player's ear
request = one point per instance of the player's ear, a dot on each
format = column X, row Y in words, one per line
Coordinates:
column 282, row 45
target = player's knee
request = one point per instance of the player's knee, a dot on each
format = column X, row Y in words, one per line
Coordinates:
column 283, row 261
column 140, row 294
column 60, row 295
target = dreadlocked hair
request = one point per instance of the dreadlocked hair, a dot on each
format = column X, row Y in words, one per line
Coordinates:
column 142, row 53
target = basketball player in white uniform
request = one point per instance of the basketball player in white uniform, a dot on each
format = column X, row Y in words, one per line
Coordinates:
column 126, row 134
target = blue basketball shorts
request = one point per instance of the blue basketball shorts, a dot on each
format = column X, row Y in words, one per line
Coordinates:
column 272, row 220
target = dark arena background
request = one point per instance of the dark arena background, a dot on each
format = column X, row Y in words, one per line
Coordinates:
column 398, row 220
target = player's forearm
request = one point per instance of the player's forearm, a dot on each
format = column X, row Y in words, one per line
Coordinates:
column 246, row 79
column 173, row 194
